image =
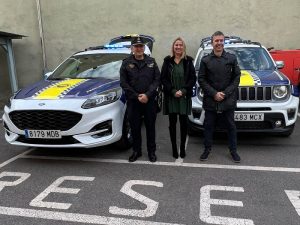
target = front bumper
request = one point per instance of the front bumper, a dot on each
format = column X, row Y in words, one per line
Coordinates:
column 87, row 133
column 273, row 112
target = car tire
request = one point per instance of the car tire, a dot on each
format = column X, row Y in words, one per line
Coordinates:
column 126, row 140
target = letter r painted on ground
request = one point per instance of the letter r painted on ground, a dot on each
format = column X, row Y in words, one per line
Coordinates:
column 22, row 177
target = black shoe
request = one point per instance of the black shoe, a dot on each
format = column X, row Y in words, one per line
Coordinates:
column 152, row 157
column 175, row 154
column 204, row 155
column 182, row 152
column 134, row 156
column 235, row 157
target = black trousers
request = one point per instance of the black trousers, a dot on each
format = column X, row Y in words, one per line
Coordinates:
column 183, row 120
column 136, row 112
column 227, row 120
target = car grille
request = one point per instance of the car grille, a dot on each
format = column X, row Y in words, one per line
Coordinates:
column 254, row 125
column 65, row 140
column 255, row 94
column 45, row 119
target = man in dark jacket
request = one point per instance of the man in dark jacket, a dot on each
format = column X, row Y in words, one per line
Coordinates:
column 219, row 77
column 140, row 78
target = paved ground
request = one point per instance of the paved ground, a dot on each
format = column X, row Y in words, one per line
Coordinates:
column 99, row 186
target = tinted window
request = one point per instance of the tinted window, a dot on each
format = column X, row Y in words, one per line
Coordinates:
column 90, row 66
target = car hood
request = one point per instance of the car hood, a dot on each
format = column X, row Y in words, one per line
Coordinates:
column 68, row 88
column 262, row 78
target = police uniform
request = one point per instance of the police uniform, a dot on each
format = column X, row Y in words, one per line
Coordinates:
column 141, row 77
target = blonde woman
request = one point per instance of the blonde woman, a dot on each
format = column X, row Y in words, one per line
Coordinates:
column 178, row 78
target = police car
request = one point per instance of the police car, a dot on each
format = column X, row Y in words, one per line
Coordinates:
column 267, row 102
column 79, row 104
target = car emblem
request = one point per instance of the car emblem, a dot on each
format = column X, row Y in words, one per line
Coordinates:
column 42, row 104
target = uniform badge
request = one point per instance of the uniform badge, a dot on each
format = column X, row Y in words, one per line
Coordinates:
column 150, row 65
column 131, row 66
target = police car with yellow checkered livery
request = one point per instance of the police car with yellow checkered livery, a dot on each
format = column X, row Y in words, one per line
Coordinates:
column 267, row 102
column 79, row 104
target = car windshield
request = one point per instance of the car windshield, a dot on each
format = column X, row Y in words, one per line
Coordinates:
column 249, row 58
column 91, row 66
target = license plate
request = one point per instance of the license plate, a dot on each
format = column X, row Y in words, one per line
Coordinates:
column 249, row 117
column 48, row 134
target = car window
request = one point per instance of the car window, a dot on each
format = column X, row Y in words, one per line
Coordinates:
column 249, row 58
column 90, row 67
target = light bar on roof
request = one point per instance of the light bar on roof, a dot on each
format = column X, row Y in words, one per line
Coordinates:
column 113, row 46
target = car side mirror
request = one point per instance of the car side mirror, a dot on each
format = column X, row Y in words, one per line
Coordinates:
column 279, row 64
column 46, row 75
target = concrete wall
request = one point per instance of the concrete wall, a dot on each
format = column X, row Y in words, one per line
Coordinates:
column 20, row 17
column 72, row 25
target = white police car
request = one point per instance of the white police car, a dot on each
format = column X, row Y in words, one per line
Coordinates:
column 79, row 104
column 267, row 102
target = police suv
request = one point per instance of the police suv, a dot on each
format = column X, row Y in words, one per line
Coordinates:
column 79, row 104
column 267, row 102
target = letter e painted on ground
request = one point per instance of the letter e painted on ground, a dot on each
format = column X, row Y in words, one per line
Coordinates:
column 54, row 188
column 206, row 202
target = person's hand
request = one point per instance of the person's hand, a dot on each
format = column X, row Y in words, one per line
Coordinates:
column 143, row 98
column 219, row 96
column 178, row 94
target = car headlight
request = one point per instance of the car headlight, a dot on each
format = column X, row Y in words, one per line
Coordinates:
column 103, row 98
column 280, row 92
column 8, row 104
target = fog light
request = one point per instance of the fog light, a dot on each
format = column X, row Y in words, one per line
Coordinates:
column 291, row 113
column 278, row 123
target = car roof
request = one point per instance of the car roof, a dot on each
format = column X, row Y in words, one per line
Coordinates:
column 240, row 45
column 120, row 48
column 230, row 41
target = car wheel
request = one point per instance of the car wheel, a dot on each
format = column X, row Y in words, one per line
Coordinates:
column 126, row 140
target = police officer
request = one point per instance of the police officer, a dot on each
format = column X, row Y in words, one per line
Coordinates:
column 219, row 77
column 140, row 78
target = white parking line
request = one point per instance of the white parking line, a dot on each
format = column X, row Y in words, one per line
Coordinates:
column 299, row 114
column 74, row 217
column 176, row 164
column 14, row 158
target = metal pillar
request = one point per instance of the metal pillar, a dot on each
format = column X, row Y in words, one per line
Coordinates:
column 7, row 46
